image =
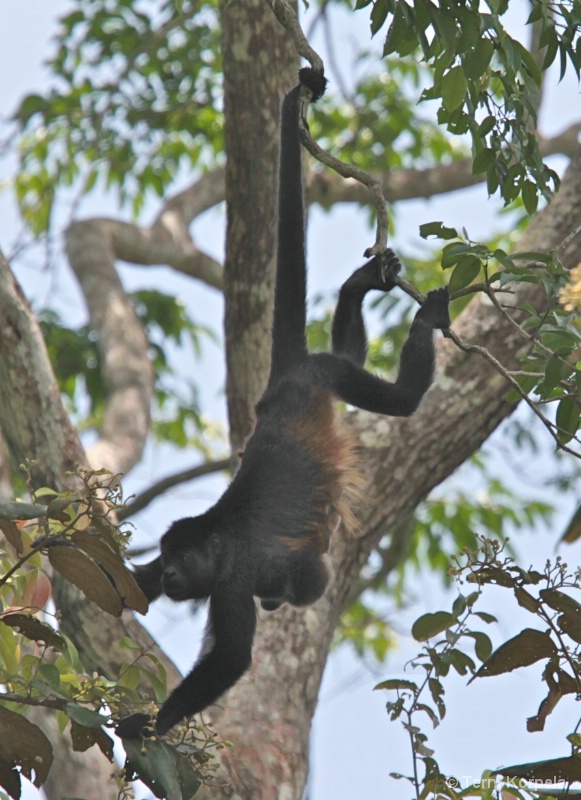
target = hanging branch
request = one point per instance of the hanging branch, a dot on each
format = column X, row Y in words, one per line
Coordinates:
column 288, row 19
column 349, row 171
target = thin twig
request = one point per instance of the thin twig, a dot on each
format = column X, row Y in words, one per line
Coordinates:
column 482, row 351
column 349, row 171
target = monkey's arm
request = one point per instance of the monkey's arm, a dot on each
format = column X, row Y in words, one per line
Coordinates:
column 226, row 655
column 369, row 392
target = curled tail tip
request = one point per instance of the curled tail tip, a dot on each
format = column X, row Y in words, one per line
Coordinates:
column 314, row 80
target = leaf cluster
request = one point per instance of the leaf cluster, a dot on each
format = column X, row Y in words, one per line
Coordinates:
column 556, row 640
column 134, row 98
column 76, row 360
column 550, row 366
column 40, row 666
column 378, row 127
column 486, row 81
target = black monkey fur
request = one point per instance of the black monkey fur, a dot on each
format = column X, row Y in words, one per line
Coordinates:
column 267, row 535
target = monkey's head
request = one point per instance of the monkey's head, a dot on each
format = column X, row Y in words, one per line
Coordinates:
column 189, row 555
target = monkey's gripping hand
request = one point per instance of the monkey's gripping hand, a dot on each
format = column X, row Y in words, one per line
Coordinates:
column 389, row 267
column 434, row 311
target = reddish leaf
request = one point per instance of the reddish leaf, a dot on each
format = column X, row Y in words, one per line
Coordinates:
column 97, row 548
column 81, row 570
column 12, row 534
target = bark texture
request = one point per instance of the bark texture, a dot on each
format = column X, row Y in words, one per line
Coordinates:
column 259, row 67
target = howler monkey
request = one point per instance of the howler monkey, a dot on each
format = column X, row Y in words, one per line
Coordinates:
column 267, row 535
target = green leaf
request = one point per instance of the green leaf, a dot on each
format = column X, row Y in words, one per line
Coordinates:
column 378, row 15
column 430, row 625
column 461, row 662
column 486, row 617
column 467, row 269
column 568, row 414
column 530, row 196
column 476, row 62
column 526, row 600
column 397, row 683
column 168, row 773
column 559, row 601
column 437, row 229
column 452, row 253
column 459, row 606
column 482, row 644
column 453, row 88
column 483, row 160
column 571, row 625
column 85, row 716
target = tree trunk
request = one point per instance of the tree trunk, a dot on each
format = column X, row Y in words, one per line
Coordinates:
column 259, row 67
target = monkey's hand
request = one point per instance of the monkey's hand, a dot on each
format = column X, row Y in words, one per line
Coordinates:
column 134, row 726
column 388, row 266
column 434, row 311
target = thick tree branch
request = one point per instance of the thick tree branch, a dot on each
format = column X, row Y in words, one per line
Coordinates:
column 328, row 189
column 32, row 419
column 93, row 246
column 123, row 348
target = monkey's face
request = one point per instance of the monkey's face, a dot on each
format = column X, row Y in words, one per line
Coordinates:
column 189, row 570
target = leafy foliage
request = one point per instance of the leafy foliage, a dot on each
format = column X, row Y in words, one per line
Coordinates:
column 76, row 361
column 551, row 338
column 76, row 532
column 547, row 596
column 134, row 100
column 487, row 82
column 378, row 127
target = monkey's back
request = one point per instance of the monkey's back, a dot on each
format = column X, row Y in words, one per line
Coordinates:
column 300, row 469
